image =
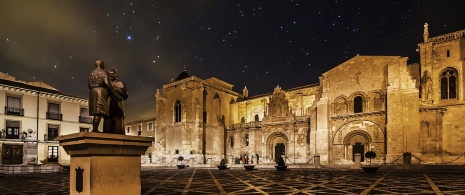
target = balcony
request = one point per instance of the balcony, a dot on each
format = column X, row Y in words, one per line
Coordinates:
column 54, row 116
column 85, row 119
column 253, row 124
column 14, row 111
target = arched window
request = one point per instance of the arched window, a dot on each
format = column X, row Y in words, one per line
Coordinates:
column 243, row 120
column 358, row 104
column 246, row 138
column 231, row 141
column 449, row 84
column 177, row 111
column 340, row 106
column 378, row 101
column 256, row 117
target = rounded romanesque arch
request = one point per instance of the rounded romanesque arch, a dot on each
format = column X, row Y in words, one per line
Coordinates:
column 376, row 100
column 357, row 136
column 357, row 102
column 276, row 145
column 341, row 105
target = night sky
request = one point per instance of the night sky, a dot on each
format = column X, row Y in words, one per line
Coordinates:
column 258, row 44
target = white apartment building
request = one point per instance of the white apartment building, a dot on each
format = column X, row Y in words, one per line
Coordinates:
column 34, row 115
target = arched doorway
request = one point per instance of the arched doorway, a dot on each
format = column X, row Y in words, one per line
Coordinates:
column 276, row 145
column 357, row 136
column 356, row 142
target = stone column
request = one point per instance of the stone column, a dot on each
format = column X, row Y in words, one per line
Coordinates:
column 103, row 163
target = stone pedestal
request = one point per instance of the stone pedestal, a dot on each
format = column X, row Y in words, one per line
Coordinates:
column 407, row 156
column 357, row 161
column 316, row 159
column 110, row 163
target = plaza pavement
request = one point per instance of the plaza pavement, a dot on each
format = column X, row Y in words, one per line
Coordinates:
column 266, row 180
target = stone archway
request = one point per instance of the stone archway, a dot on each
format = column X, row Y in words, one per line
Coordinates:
column 364, row 135
column 276, row 145
column 356, row 142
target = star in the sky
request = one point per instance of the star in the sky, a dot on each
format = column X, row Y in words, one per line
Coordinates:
column 129, row 38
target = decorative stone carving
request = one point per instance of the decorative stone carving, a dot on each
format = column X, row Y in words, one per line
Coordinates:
column 279, row 105
column 426, row 86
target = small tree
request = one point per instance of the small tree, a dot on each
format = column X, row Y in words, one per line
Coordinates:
column 223, row 162
column 370, row 155
column 180, row 159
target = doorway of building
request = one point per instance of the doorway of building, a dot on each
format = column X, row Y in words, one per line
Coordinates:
column 358, row 148
column 279, row 149
column 12, row 154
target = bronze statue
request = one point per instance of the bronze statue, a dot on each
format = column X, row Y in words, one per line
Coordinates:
column 100, row 89
column 115, row 122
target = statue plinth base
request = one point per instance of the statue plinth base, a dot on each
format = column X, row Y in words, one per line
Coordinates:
column 110, row 163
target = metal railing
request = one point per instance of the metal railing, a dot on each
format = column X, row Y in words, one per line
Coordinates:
column 85, row 119
column 54, row 116
column 14, row 111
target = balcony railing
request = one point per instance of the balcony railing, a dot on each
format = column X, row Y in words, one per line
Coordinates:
column 85, row 119
column 253, row 124
column 14, row 111
column 54, row 116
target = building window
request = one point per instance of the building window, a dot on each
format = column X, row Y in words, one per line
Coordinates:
column 12, row 130
column 448, row 84
column 128, row 130
column 257, row 118
column 177, row 111
column 448, row 53
column 139, row 129
column 84, row 116
column 358, row 104
column 204, row 117
column 150, row 126
column 176, row 151
column 246, row 138
column 243, row 120
column 52, row 132
column 52, row 154
column 54, row 111
column 13, row 106
column 231, row 141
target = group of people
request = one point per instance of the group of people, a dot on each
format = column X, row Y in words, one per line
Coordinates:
column 244, row 159
column 106, row 97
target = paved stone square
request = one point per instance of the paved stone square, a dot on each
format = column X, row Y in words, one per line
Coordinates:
column 264, row 181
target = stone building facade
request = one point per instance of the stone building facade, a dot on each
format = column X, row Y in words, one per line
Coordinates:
column 368, row 103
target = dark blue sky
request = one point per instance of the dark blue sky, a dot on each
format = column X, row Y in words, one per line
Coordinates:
column 258, row 44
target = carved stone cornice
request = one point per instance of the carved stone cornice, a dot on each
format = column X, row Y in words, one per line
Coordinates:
column 447, row 37
column 358, row 115
column 441, row 110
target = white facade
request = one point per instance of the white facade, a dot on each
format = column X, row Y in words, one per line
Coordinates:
column 32, row 115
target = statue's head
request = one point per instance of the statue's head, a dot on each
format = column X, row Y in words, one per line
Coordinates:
column 113, row 73
column 99, row 64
